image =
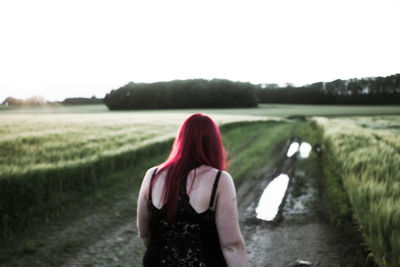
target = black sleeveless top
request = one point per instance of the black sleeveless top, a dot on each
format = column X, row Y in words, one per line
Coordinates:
column 190, row 241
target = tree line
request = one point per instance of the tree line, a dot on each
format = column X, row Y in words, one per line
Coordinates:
column 82, row 100
column 41, row 101
column 194, row 93
column 221, row 93
column 31, row 101
column 365, row 91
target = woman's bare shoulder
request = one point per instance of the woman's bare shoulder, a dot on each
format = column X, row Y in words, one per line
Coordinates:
column 226, row 175
column 211, row 171
column 149, row 173
column 226, row 181
column 151, row 170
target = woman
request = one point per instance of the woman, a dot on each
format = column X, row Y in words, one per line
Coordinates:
column 187, row 214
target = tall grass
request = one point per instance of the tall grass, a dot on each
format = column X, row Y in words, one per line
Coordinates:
column 53, row 141
column 252, row 146
column 369, row 163
column 35, row 195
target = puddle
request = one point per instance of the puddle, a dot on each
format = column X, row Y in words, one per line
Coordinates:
column 271, row 198
column 293, row 148
column 281, row 221
column 304, row 149
column 298, row 203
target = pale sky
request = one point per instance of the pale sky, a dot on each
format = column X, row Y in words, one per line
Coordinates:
column 80, row 48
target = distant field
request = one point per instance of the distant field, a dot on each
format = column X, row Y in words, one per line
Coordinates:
column 280, row 110
column 383, row 123
column 42, row 141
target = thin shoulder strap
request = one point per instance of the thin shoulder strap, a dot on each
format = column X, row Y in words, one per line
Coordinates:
column 214, row 190
column 151, row 182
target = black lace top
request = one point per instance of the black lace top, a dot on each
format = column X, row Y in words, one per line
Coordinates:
column 191, row 240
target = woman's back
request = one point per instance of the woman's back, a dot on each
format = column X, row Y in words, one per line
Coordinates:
column 199, row 184
column 192, row 238
column 187, row 214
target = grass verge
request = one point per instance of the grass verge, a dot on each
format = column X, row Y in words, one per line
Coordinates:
column 253, row 145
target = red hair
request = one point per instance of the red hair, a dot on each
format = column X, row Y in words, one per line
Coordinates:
column 198, row 142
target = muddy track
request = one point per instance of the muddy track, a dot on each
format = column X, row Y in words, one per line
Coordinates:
column 297, row 234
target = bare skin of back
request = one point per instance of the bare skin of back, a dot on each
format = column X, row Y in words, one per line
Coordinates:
column 199, row 188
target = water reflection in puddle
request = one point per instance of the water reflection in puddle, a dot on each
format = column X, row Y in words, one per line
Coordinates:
column 304, row 149
column 273, row 194
column 294, row 147
column 271, row 198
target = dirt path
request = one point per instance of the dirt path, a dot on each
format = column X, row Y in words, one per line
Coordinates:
column 119, row 247
column 299, row 237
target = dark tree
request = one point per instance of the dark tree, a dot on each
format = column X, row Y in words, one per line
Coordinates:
column 195, row 93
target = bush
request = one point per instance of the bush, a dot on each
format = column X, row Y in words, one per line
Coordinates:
column 196, row 93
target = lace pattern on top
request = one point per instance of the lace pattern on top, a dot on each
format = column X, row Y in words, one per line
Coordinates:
column 182, row 240
column 182, row 245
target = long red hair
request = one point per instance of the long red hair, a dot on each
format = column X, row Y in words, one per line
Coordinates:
column 198, row 142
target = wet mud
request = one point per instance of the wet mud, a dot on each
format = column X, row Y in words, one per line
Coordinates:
column 297, row 236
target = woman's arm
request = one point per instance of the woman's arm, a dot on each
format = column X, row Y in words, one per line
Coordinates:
column 227, row 222
column 142, row 220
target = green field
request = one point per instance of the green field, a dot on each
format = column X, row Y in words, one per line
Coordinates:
column 48, row 141
column 367, row 153
column 279, row 110
column 47, row 159
column 51, row 155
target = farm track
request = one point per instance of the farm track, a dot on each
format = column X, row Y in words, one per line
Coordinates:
column 109, row 237
column 299, row 233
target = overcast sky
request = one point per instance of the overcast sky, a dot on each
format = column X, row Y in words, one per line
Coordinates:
column 74, row 48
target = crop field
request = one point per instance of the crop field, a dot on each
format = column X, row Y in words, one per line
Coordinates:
column 367, row 152
column 48, row 158
column 47, row 141
column 384, row 123
column 56, row 137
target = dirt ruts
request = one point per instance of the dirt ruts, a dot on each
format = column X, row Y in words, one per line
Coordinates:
column 298, row 236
